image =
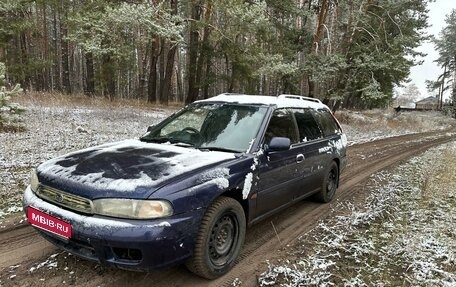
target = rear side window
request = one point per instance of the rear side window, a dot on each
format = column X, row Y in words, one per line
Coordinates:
column 307, row 125
column 327, row 122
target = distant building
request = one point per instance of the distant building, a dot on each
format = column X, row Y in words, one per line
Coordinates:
column 406, row 107
column 429, row 103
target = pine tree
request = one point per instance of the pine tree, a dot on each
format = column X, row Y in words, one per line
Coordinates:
column 5, row 97
column 347, row 53
column 446, row 46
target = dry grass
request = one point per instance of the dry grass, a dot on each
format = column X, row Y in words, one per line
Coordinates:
column 362, row 126
column 13, row 123
column 81, row 101
column 9, row 128
column 390, row 119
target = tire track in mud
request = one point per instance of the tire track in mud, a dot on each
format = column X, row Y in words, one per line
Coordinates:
column 20, row 243
column 23, row 243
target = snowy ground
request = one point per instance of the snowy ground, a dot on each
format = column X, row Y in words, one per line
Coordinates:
column 404, row 234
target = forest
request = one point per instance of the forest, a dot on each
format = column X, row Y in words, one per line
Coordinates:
column 349, row 53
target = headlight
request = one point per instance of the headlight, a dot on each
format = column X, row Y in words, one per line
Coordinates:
column 132, row 208
column 34, row 182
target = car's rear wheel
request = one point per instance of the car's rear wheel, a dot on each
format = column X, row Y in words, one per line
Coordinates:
column 329, row 185
column 219, row 239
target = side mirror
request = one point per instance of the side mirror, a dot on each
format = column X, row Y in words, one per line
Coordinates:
column 279, row 144
column 149, row 128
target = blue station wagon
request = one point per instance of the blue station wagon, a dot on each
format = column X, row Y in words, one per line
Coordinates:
column 185, row 191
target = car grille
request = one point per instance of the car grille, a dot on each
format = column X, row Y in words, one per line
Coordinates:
column 65, row 199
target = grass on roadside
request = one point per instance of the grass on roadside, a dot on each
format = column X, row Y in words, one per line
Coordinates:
column 84, row 101
column 374, row 123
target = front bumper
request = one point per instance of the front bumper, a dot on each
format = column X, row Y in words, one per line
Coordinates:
column 129, row 244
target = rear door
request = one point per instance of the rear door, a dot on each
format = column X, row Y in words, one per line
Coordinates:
column 332, row 146
column 311, row 141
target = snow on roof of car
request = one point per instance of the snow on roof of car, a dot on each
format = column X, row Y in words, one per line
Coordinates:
column 281, row 101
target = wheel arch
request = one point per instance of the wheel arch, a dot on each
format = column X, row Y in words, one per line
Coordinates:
column 236, row 194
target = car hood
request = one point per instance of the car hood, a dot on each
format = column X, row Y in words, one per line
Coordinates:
column 127, row 169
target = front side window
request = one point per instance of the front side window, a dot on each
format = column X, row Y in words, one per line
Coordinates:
column 281, row 125
column 215, row 126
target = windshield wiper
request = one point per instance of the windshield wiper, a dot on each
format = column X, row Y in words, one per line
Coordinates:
column 166, row 140
column 216, row 148
column 156, row 140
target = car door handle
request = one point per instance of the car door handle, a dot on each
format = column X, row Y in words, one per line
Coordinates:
column 299, row 158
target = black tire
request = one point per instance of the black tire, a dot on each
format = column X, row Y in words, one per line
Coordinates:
column 329, row 185
column 219, row 240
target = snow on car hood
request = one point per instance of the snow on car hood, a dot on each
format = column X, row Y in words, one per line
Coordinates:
column 124, row 169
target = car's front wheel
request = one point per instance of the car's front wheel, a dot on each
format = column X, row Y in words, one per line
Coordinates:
column 219, row 239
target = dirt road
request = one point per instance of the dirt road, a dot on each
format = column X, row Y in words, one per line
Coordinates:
column 22, row 249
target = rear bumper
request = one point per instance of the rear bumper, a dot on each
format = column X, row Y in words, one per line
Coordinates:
column 129, row 244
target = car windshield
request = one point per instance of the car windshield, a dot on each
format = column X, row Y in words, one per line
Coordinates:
column 213, row 126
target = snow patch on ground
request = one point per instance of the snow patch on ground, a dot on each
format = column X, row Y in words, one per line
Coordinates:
column 9, row 210
column 50, row 263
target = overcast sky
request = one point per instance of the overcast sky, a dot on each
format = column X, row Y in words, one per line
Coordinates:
column 429, row 70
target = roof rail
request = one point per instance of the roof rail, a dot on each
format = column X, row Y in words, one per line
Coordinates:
column 296, row 97
column 230, row 94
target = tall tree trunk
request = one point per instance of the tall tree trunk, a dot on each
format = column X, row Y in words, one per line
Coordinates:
column 207, row 73
column 152, row 82
column 205, row 48
column 166, row 82
column 45, row 46
column 320, row 25
column 90, row 75
column 166, row 86
column 142, row 73
column 193, row 47
column 442, row 87
column 24, row 58
column 66, row 85
column 316, row 41
column 108, row 76
column 179, row 81
column 161, row 66
column 56, row 61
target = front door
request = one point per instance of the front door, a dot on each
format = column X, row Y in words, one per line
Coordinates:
column 277, row 170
